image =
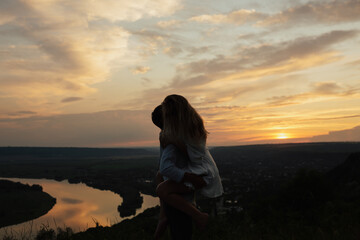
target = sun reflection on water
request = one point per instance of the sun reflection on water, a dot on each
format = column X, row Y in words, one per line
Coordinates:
column 78, row 206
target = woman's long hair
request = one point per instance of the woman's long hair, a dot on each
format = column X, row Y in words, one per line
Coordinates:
column 181, row 121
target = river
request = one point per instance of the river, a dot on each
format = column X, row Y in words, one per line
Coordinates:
column 77, row 206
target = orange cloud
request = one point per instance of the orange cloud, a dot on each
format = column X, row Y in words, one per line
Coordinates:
column 108, row 128
column 48, row 55
column 284, row 57
column 347, row 135
column 238, row 17
column 316, row 12
column 291, row 65
column 140, row 70
column 169, row 24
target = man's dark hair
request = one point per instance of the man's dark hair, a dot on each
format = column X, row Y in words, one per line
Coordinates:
column 157, row 117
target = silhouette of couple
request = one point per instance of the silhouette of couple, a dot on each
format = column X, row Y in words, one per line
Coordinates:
column 185, row 167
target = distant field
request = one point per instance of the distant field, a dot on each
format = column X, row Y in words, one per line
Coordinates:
column 31, row 166
column 70, row 162
column 72, row 153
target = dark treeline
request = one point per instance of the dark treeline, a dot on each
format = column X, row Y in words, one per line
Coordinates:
column 9, row 186
column 70, row 152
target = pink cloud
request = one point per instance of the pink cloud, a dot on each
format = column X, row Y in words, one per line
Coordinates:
column 347, row 135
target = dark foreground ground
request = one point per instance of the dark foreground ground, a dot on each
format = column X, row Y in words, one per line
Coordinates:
column 287, row 191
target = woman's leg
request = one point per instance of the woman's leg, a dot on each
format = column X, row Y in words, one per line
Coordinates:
column 169, row 191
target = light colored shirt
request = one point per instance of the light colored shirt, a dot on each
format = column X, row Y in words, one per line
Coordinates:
column 202, row 163
column 174, row 164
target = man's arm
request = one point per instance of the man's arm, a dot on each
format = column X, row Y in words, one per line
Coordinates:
column 169, row 169
column 167, row 164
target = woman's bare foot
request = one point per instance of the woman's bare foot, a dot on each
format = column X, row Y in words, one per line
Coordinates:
column 161, row 227
column 202, row 220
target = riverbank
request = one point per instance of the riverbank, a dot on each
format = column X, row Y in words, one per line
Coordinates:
column 126, row 172
column 20, row 202
column 78, row 206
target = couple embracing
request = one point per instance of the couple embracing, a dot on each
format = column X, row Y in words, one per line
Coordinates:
column 186, row 167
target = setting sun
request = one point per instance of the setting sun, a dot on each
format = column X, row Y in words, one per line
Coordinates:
column 282, row 136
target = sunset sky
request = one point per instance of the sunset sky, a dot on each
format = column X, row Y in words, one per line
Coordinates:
column 89, row 73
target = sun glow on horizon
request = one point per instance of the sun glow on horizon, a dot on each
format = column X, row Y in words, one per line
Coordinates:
column 282, row 136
